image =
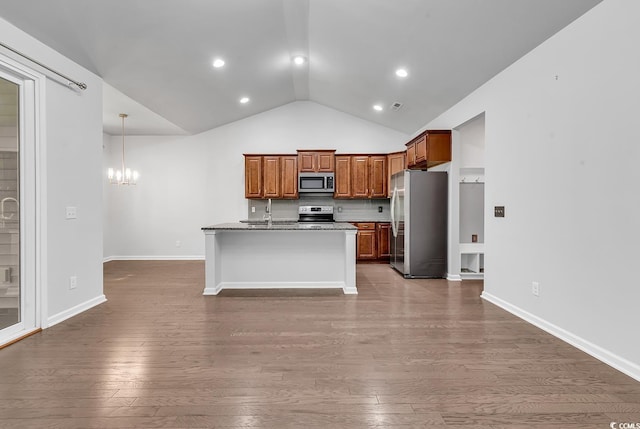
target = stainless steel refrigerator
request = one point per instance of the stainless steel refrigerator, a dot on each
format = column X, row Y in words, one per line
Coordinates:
column 419, row 223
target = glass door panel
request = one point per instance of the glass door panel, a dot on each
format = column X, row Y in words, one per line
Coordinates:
column 10, row 286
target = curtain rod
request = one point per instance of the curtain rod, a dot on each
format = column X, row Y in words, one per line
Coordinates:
column 80, row 85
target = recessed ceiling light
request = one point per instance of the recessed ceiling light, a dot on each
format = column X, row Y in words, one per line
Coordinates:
column 402, row 73
column 299, row 60
column 218, row 62
column 377, row 107
column 244, row 100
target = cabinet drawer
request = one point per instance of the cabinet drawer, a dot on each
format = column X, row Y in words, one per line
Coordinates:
column 365, row 225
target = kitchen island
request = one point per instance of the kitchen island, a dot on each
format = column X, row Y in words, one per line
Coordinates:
column 280, row 256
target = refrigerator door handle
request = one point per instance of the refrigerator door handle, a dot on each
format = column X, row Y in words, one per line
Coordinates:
column 394, row 225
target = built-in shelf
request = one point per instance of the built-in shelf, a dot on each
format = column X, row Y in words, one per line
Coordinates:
column 471, row 261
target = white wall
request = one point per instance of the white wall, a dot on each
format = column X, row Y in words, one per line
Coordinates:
column 472, row 143
column 71, row 128
column 562, row 155
column 190, row 182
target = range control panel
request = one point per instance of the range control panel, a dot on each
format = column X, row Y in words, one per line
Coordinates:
column 315, row 209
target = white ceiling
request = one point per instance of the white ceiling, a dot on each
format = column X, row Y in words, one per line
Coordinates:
column 155, row 55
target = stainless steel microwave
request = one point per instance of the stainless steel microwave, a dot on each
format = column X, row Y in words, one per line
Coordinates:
column 316, row 182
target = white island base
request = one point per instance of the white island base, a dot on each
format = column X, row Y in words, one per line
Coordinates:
column 241, row 256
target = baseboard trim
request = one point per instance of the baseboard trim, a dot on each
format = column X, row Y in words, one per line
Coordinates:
column 454, row 277
column 154, row 258
column 21, row 336
column 279, row 285
column 73, row 311
column 621, row 364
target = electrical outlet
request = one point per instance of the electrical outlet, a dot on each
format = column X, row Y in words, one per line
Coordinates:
column 253, row 209
column 339, row 209
column 498, row 211
column 535, row 288
column 71, row 212
column 379, row 209
column 178, row 243
column 73, row 282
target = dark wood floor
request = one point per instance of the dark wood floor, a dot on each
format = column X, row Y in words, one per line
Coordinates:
column 401, row 354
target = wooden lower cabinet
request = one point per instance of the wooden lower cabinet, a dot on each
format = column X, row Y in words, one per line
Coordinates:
column 383, row 235
column 372, row 241
column 366, row 241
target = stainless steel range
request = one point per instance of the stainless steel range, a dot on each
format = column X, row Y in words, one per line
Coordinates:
column 315, row 214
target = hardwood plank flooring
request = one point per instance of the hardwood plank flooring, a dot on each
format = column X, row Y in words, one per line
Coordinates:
column 400, row 354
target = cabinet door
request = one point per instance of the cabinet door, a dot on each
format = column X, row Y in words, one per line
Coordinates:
column 383, row 231
column 343, row 177
column 421, row 149
column 306, row 162
column 271, row 176
column 360, row 176
column 366, row 241
column 411, row 154
column 378, row 176
column 253, row 177
column 395, row 164
column 326, row 162
column 289, row 179
column 438, row 147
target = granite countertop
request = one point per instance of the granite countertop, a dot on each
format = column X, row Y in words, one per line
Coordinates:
column 282, row 226
column 256, row 221
column 366, row 220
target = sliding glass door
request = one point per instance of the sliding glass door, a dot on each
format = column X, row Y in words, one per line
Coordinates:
column 20, row 306
column 10, row 289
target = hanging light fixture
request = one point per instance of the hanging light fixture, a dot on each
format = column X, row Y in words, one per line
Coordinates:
column 125, row 176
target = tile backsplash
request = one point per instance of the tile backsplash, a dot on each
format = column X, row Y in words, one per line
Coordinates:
column 343, row 210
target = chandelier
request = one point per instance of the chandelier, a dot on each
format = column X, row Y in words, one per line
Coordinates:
column 125, row 176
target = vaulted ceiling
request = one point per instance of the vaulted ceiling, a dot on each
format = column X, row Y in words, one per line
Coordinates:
column 157, row 54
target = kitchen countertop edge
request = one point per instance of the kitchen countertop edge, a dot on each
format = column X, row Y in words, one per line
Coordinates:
column 288, row 226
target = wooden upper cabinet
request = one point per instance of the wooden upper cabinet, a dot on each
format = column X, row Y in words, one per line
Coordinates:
column 271, row 176
column 289, row 179
column 342, row 177
column 378, row 176
column 421, row 149
column 360, row 176
column 395, row 163
column 438, row 147
column 316, row 161
column 411, row 154
column 429, row 149
column 252, row 176
column 326, row 161
column 306, row 161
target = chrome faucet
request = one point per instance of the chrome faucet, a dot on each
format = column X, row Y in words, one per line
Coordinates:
column 267, row 215
column 4, row 200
